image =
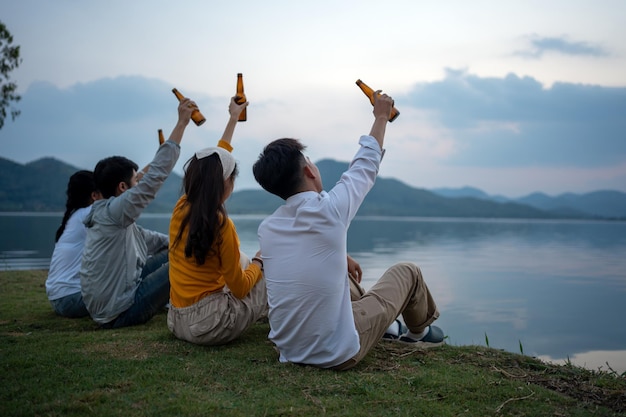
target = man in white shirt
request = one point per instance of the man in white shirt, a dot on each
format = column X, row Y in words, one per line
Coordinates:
column 303, row 245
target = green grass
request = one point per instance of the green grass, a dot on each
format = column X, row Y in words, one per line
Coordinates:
column 53, row 366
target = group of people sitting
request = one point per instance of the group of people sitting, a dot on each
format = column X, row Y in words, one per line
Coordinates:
column 106, row 266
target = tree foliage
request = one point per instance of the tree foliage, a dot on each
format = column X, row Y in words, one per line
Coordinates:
column 9, row 60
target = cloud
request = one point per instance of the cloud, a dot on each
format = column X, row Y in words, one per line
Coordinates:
column 503, row 134
column 86, row 122
column 542, row 45
column 515, row 121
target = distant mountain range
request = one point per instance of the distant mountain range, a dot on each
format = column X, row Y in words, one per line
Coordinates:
column 40, row 186
column 605, row 203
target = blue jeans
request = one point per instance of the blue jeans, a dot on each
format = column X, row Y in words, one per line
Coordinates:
column 71, row 306
column 151, row 296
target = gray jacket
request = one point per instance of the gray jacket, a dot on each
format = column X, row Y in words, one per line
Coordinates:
column 116, row 248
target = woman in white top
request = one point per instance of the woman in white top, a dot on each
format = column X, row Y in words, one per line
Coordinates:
column 63, row 282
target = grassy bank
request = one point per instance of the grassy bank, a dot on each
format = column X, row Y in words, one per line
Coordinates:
column 61, row 367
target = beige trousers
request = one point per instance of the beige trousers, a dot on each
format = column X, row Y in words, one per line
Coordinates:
column 401, row 290
column 220, row 317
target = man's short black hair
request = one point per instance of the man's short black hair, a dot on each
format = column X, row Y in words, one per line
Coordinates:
column 109, row 172
column 279, row 167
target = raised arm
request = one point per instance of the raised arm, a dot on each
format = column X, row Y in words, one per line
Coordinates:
column 382, row 108
column 235, row 110
column 127, row 208
column 185, row 108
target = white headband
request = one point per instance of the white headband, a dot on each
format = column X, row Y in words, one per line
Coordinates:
column 228, row 162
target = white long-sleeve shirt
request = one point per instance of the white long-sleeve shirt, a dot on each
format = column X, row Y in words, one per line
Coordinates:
column 304, row 249
column 63, row 275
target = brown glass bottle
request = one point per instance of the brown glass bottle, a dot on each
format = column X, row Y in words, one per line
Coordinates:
column 370, row 94
column 241, row 98
column 161, row 137
column 196, row 116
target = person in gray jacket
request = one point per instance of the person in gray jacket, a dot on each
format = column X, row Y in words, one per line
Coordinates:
column 124, row 271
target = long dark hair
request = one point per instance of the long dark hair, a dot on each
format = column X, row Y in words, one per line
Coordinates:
column 206, row 215
column 79, row 194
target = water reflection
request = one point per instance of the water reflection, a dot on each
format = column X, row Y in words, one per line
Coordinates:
column 596, row 360
column 26, row 241
column 553, row 289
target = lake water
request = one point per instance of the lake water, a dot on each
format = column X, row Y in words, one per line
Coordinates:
column 552, row 289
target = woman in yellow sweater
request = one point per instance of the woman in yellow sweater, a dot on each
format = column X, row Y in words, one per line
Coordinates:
column 216, row 293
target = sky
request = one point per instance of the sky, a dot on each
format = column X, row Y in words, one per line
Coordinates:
column 509, row 97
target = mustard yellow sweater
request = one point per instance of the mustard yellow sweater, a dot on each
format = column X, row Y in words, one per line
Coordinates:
column 190, row 282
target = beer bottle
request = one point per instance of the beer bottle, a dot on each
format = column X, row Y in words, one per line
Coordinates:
column 196, row 116
column 161, row 137
column 241, row 98
column 370, row 94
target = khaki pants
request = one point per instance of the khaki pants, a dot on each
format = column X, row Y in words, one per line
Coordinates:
column 401, row 290
column 220, row 317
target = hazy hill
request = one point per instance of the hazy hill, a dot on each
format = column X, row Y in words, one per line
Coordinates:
column 468, row 192
column 40, row 186
column 394, row 198
column 391, row 197
column 34, row 186
column 602, row 203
